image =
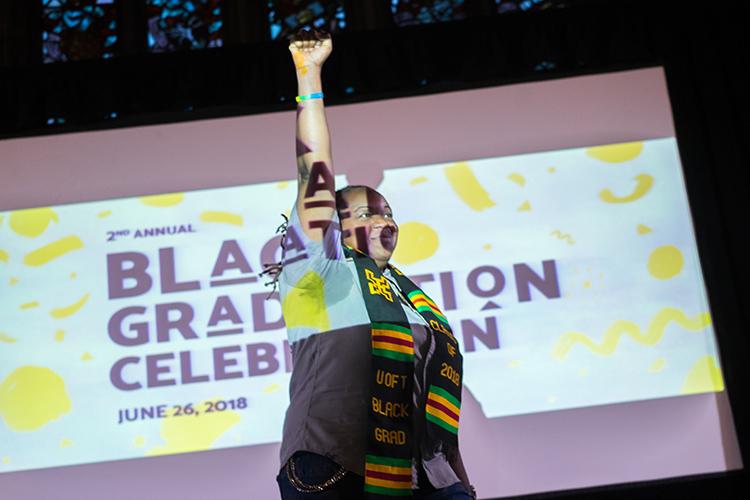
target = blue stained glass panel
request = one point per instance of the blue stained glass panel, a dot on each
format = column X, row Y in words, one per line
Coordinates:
column 285, row 17
column 409, row 12
column 74, row 30
column 184, row 24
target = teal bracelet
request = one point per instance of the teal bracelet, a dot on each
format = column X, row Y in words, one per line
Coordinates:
column 316, row 95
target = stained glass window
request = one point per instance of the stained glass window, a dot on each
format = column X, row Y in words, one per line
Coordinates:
column 183, row 24
column 287, row 16
column 407, row 12
column 73, row 30
column 527, row 5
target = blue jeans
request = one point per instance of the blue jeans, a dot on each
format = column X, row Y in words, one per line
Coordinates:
column 312, row 469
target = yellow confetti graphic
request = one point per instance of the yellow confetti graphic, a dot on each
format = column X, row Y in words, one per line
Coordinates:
column 73, row 275
column 641, row 229
column 517, row 178
column 566, row 237
column 2, row 218
column 64, row 312
column 657, row 365
column 222, row 218
column 29, row 305
column 104, row 213
column 32, row 222
column 12, row 281
column 616, row 153
column 282, row 185
column 195, row 432
column 416, row 241
column 7, row 339
column 418, row 180
column 86, row 356
column 644, row 183
column 4, row 256
column 272, row 388
column 66, row 443
column 515, row 363
column 59, row 335
column 487, row 246
column 139, row 441
column 587, row 284
column 524, row 207
column 467, row 186
column 704, row 376
column 583, row 372
column 52, row 251
column 614, row 333
column 551, row 170
column 32, row 396
column 6, row 460
column 305, row 304
column 551, row 399
column 665, row 262
column 163, row 200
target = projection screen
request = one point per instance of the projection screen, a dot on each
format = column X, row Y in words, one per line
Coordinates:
column 141, row 352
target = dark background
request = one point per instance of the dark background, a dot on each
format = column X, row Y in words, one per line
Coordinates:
column 703, row 47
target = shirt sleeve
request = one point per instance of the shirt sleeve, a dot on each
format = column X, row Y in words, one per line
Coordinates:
column 301, row 254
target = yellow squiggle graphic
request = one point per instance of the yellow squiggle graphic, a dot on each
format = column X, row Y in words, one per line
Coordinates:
column 52, row 251
column 59, row 335
column 282, row 184
column 86, row 356
column 642, row 229
column 525, row 207
column 467, row 186
column 162, row 200
column 64, row 312
column 563, row 236
column 644, row 183
column 222, row 218
column 272, row 388
column 4, row 256
column 418, row 180
column 704, row 376
column 32, row 222
column 104, row 213
column 622, row 327
column 12, row 281
column 29, row 305
column 7, row 339
column 517, row 178
column 616, row 153
column 66, row 442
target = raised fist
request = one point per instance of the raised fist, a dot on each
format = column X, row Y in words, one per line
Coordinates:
column 310, row 48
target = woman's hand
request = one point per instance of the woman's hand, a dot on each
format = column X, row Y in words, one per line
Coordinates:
column 310, row 49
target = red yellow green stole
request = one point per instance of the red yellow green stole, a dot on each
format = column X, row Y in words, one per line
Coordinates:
column 391, row 440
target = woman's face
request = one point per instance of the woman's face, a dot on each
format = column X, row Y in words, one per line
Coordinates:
column 367, row 224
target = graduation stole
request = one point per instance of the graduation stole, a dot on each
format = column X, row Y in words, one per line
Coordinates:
column 391, row 441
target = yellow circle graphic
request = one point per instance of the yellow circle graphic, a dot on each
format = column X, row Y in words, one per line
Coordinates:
column 665, row 262
column 32, row 396
column 416, row 241
column 32, row 222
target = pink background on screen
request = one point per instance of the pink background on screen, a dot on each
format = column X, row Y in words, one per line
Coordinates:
column 505, row 456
